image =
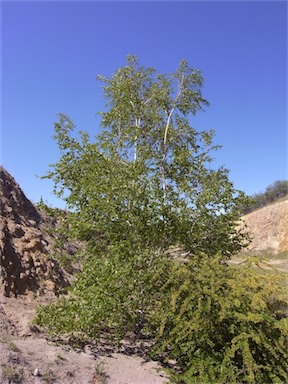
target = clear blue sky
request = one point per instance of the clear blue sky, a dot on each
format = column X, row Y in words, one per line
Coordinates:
column 52, row 52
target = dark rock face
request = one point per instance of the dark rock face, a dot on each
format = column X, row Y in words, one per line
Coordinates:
column 24, row 248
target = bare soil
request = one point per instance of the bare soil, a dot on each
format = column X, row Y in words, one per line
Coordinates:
column 268, row 227
column 27, row 355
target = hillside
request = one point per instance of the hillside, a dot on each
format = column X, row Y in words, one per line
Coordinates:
column 269, row 228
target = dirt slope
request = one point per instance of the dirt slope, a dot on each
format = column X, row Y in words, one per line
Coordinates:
column 269, row 228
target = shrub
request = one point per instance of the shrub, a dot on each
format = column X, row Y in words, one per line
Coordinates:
column 223, row 325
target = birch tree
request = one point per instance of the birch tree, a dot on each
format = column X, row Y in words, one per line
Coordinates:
column 147, row 182
column 149, row 175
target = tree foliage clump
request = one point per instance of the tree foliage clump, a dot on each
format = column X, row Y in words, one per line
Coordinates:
column 149, row 176
column 117, row 293
column 273, row 192
column 224, row 325
column 145, row 184
column 56, row 224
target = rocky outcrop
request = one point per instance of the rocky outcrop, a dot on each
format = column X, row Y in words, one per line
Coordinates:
column 24, row 248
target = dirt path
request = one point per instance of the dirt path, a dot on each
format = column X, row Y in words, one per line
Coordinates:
column 27, row 357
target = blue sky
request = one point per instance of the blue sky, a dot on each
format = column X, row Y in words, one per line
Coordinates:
column 51, row 53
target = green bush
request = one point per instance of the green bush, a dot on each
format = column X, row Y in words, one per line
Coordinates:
column 220, row 324
column 115, row 293
column 223, row 325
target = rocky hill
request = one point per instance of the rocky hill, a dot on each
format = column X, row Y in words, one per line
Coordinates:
column 24, row 245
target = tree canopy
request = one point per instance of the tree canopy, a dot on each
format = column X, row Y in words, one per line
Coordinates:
column 149, row 176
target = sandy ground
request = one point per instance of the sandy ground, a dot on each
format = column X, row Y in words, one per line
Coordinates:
column 280, row 265
column 26, row 356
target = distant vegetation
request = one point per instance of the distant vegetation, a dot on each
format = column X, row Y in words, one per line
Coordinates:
column 273, row 192
column 148, row 183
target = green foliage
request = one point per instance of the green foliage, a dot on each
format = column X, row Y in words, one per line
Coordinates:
column 273, row 192
column 64, row 247
column 115, row 293
column 148, row 177
column 224, row 325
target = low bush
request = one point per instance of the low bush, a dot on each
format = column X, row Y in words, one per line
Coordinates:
column 223, row 325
